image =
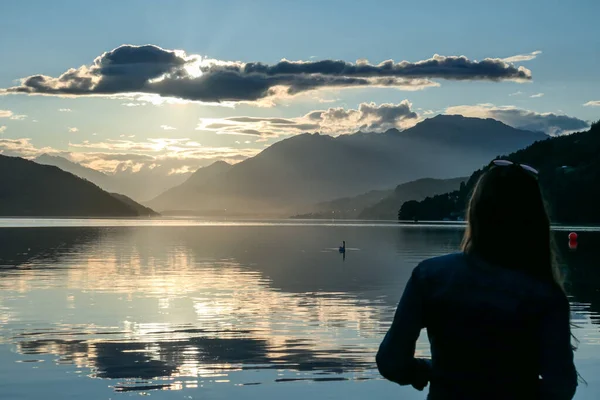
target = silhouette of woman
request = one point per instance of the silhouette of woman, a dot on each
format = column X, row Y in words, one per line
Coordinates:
column 497, row 316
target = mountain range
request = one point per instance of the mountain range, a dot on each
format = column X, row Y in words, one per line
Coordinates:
column 296, row 173
column 29, row 189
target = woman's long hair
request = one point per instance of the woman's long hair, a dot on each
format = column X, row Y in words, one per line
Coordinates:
column 508, row 225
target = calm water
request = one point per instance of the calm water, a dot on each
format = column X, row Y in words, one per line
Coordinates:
column 211, row 311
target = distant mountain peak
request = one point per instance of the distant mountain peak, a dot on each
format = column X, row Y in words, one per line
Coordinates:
column 203, row 173
column 219, row 163
column 392, row 131
column 446, row 118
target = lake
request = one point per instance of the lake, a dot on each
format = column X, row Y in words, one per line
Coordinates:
column 191, row 309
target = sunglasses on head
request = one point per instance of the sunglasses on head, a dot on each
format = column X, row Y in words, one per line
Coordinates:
column 506, row 163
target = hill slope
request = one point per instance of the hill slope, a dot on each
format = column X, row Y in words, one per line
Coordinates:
column 345, row 207
column 29, row 189
column 184, row 195
column 140, row 209
column 569, row 175
column 311, row 168
column 96, row 177
column 415, row 190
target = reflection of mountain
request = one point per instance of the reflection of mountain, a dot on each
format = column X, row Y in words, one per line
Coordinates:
column 29, row 189
column 141, row 185
column 295, row 260
column 289, row 259
column 22, row 247
column 311, row 168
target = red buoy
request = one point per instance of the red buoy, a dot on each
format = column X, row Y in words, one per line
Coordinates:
column 572, row 236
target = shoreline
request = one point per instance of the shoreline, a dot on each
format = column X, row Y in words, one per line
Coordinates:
column 41, row 222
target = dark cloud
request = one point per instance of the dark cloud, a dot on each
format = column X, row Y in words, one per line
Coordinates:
column 275, row 121
column 458, row 68
column 306, row 127
column 153, row 70
column 249, row 132
column 217, row 125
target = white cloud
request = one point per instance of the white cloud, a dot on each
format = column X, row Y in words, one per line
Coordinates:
column 368, row 117
column 522, row 57
column 173, row 155
column 65, row 110
column 537, row 95
column 22, row 148
column 9, row 114
column 517, row 93
column 73, row 129
column 322, row 100
column 549, row 123
column 2, row 128
column 162, row 156
column 168, row 128
column 186, row 169
column 593, row 103
column 133, row 104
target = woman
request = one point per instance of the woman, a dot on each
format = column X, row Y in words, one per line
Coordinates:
column 496, row 314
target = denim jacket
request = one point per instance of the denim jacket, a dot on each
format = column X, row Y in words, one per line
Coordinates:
column 495, row 333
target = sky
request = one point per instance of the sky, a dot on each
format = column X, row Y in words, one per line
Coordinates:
column 145, row 85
